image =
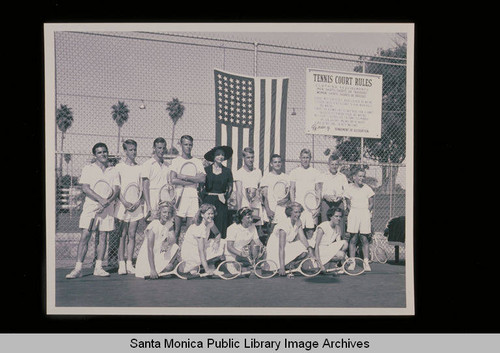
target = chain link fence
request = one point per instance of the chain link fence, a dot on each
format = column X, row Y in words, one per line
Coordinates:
column 95, row 70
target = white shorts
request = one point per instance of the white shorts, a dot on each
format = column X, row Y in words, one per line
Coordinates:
column 161, row 259
column 327, row 252
column 188, row 206
column 359, row 220
column 105, row 219
column 292, row 249
column 136, row 215
column 154, row 197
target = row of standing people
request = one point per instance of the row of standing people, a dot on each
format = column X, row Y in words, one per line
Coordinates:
column 217, row 185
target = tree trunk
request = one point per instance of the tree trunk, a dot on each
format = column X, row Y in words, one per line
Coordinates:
column 118, row 142
column 172, row 140
column 61, row 156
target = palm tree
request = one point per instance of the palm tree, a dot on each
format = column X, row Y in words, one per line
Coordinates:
column 175, row 110
column 64, row 120
column 120, row 116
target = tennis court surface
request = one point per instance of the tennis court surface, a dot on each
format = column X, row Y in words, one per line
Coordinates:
column 383, row 287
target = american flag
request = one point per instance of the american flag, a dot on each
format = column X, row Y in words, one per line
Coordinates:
column 251, row 112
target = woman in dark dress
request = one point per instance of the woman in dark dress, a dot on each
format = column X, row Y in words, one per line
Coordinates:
column 218, row 185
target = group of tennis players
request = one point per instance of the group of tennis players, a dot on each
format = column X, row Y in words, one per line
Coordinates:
column 303, row 214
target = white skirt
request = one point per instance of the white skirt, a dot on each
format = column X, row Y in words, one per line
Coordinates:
column 292, row 249
column 327, row 252
column 189, row 252
column 161, row 259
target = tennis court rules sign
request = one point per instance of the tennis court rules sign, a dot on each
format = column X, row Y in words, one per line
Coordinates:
column 343, row 103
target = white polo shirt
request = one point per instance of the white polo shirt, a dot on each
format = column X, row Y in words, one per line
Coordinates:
column 240, row 235
column 156, row 173
column 305, row 181
column 91, row 174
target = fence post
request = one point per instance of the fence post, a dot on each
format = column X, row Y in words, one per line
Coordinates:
column 363, row 68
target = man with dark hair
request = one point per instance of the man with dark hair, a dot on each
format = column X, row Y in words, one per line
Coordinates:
column 98, row 212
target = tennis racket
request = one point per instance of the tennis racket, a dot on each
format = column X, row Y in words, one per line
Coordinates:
column 265, row 268
column 167, row 193
column 227, row 270
column 104, row 190
column 131, row 194
column 280, row 190
column 188, row 169
column 378, row 253
column 311, row 201
column 351, row 267
column 308, row 267
column 183, row 270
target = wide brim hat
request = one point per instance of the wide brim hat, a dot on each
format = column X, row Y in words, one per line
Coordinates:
column 228, row 153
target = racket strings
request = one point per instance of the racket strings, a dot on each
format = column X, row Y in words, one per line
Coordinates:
column 229, row 269
column 188, row 269
column 132, row 193
column 354, row 266
column 102, row 189
column 266, row 269
column 310, row 267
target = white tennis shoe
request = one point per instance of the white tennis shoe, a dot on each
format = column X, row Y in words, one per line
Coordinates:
column 352, row 265
column 130, row 269
column 100, row 272
column 74, row 274
column 366, row 265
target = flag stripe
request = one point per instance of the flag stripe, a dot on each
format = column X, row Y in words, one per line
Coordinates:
column 263, row 118
column 229, row 142
column 277, row 125
column 239, row 134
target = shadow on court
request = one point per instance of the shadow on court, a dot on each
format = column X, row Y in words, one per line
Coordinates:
column 383, row 287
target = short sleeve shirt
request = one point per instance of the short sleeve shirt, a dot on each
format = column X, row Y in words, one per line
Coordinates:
column 305, row 181
column 177, row 163
column 156, row 173
column 240, row 235
column 127, row 174
column 334, row 184
column 359, row 195
column 92, row 173
column 269, row 180
column 248, row 180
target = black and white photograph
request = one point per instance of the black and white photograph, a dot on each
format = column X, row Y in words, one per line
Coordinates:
column 229, row 169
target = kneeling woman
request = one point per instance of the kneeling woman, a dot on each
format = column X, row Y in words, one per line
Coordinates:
column 240, row 234
column 158, row 251
column 196, row 248
column 288, row 241
column 329, row 245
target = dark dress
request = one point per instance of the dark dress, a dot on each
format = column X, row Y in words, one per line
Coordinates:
column 218, row 183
